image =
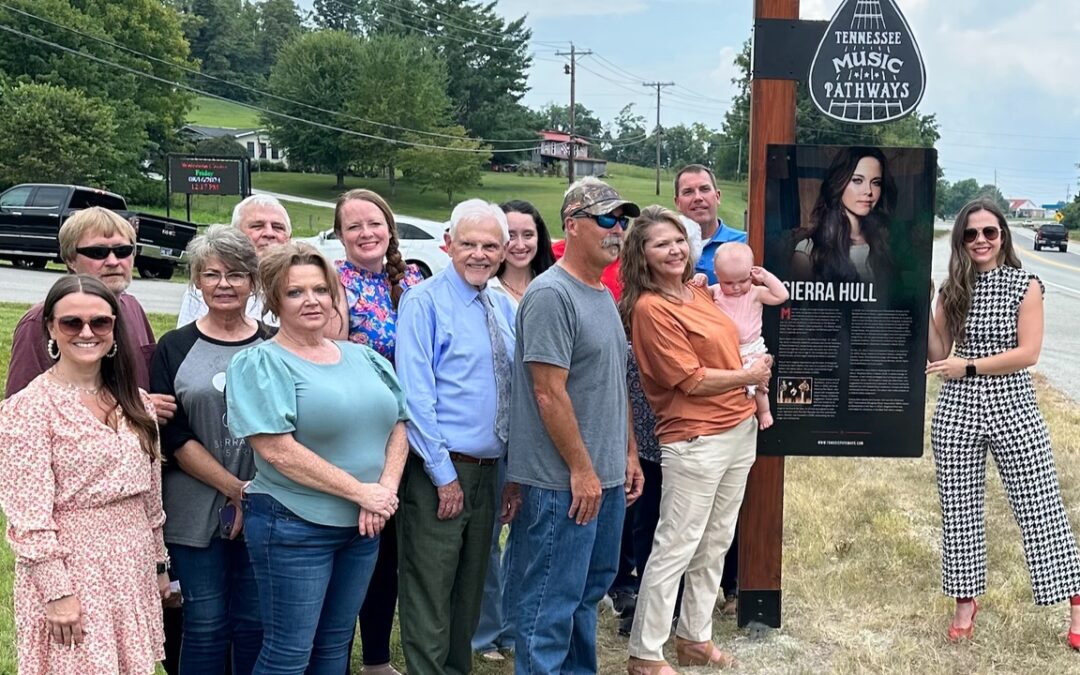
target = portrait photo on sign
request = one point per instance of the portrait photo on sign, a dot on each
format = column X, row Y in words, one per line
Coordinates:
column 849, row 232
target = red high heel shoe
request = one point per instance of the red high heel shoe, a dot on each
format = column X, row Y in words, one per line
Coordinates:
column 956, row 633
column 1074, row 638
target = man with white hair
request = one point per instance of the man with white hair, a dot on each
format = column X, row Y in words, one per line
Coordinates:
column 266, row 223
column 455, row 342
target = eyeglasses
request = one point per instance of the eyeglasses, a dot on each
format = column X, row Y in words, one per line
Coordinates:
column 73, row 325
column 606, row 221
column 214, row 278
column 102, row 252
column 988, row 233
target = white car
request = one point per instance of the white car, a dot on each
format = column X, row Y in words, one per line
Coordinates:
column 420, row 242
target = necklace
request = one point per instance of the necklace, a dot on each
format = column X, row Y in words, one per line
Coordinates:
column 92, row 391
column 513, row 289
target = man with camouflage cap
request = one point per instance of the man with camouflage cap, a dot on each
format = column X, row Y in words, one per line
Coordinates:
column 570, row 445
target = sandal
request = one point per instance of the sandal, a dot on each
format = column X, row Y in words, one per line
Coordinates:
column 706, row 653
column 636, row 666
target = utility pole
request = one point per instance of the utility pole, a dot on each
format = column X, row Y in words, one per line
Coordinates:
column 659, row 86
column 571, row 70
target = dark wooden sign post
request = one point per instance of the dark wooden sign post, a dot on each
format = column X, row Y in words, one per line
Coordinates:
column 862, row 67
column 761, row 523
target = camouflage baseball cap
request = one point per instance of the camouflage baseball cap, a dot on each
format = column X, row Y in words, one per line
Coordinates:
column 596, row 199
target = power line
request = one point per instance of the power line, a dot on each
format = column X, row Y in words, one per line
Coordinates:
column 250, row 106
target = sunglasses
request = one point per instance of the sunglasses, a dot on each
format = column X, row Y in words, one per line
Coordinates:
column 102, row 252
column 988, row 233
column 73, row 325
column 606, row 221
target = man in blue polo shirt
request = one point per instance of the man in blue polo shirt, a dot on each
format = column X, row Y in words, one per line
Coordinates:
column 697, row 198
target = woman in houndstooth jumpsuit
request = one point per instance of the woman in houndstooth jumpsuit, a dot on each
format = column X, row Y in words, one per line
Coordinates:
column 993, row 310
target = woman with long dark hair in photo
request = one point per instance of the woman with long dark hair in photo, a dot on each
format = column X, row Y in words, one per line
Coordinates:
column 847, row 238
column 80, row 485
column 986, row 331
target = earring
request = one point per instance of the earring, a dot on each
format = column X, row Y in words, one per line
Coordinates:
column 112, row 352
column 53, row 349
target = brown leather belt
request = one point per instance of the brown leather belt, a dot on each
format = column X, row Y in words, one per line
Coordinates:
column 467, row 459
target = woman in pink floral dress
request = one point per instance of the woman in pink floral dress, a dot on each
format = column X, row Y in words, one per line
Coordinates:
column 80, row 485
column 373, row 277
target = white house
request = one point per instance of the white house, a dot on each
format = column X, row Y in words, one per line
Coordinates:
column 1025, row 208
column 256, row 141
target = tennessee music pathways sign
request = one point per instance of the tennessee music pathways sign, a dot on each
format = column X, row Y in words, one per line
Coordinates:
column 867, row 68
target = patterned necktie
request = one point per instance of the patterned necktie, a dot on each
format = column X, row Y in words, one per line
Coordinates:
column 502, row 369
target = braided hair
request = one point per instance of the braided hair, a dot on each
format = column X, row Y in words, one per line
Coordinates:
column 394, row 264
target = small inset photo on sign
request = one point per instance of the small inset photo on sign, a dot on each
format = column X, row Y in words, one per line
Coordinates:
column 795, row 390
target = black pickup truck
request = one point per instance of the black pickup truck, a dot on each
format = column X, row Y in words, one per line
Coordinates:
column 1052, row 234
column 31, row 215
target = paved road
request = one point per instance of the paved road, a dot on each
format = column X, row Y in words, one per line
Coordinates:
column 22, row 285
column 1060, row 272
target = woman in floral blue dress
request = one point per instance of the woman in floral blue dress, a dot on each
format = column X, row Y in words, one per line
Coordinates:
column 373, row 277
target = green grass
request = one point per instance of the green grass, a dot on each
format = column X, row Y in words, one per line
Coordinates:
column 206, row 210
column 212, row 112
column 634, row 183
column 861, row 570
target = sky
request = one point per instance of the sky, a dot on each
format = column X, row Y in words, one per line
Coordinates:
column 1001, row 75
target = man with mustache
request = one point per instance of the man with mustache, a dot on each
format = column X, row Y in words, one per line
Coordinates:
column 570, row 446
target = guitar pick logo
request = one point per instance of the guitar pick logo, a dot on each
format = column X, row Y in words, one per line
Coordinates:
column 867, row 68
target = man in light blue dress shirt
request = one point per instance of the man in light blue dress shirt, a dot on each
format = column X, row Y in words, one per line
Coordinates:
column 697, row 198
column 454, row 346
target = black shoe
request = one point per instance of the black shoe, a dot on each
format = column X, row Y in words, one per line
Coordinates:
column 624, row 602
column 626, row 623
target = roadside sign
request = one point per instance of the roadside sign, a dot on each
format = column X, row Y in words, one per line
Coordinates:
column 190, row 174
column 1058, row 217
column 868, row 68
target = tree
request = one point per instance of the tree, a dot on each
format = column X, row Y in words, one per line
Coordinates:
column 961, row 192
column 54, row 134
column 148, row 111
column 279, row 23
column 220, row 146
column 340, row 15
column 399, row 81
column 557, row 118
column 221, row 35
column 628, row 145
column 487, row 57
column 1071, row 214
column 992, row 193
column 446, row 170
column 318, row 69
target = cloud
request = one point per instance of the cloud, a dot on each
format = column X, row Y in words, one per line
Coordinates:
column 556, row 8
column 725, row 71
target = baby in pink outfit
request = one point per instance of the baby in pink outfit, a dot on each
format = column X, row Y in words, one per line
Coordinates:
column 741, row 290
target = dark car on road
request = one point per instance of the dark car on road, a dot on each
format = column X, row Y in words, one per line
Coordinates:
column 1052, row 234
column 31, row 215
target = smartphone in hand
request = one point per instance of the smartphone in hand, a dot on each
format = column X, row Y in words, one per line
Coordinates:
column 227, row 519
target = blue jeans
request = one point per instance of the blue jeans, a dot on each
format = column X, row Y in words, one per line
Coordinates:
column 563, row 570
column 221, row 607
column 312, row 580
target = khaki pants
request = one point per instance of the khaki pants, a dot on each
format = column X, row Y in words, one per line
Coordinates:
column 704, row 481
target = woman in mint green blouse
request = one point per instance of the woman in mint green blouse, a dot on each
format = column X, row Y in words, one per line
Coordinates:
column 327, row 470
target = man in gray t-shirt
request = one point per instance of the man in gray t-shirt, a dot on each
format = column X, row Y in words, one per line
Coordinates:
column 570, row 446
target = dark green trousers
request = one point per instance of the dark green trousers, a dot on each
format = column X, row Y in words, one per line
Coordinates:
column 441, row 568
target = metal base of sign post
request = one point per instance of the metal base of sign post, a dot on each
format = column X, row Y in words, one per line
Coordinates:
column 759, row 611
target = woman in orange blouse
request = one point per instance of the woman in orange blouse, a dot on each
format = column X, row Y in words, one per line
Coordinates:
column 693, row 377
